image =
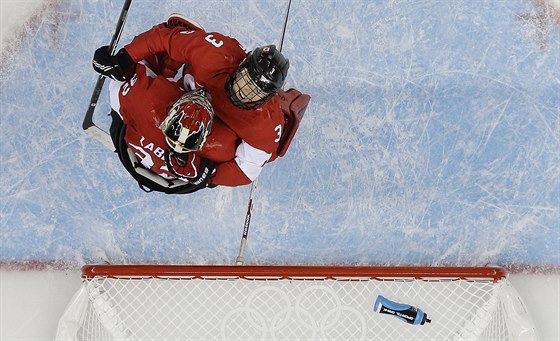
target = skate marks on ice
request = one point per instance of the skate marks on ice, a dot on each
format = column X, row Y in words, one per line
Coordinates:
column 542, row 20
column 22, row 20
column 432, row 137
column 437, row 136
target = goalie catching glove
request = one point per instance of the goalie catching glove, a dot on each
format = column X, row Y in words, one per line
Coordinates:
column 190, row 167
column 119, row 67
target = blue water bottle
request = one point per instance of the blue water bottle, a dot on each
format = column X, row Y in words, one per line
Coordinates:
column 404, row 312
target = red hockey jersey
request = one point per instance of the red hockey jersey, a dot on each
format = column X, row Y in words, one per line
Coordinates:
column 143, row 102
column 211, row 58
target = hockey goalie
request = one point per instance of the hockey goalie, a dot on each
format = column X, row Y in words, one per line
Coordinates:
column 191, row 109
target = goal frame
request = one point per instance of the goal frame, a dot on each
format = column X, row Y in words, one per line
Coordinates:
column 291, row 272
column 269, row 301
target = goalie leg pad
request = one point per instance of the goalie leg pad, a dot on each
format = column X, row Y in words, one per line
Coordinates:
column 179, row 20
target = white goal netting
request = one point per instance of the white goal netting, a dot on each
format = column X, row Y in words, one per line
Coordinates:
column 263, row 306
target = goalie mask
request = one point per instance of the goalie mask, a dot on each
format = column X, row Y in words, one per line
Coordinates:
column 257, row 78
column 188, row 122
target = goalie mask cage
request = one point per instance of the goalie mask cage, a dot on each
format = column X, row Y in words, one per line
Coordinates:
column 291, row 303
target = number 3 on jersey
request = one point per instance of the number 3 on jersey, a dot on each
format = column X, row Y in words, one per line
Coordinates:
column 278, row 130
column 210, row 38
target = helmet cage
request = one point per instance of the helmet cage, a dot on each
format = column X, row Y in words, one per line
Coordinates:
column 257, row 78
column 244, row 92
column 188, row 122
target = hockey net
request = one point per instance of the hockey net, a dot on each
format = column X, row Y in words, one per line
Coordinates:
column 291, row 303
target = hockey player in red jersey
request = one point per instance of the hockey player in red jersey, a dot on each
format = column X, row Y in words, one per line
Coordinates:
column 242, row 88
column 170, row 128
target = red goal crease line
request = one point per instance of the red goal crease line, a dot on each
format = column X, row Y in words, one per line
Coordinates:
column 226, row 270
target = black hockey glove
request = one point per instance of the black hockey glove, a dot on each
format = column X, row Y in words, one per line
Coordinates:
column 119, row 67
column 190, row 167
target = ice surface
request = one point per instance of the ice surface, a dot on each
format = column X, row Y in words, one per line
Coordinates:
column 432, row 137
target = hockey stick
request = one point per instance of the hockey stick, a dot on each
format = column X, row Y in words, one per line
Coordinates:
column 285, row 25
column 241, row 257
column 88, row 125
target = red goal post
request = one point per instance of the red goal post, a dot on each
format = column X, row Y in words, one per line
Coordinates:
column 149, row 302
column 287, row 272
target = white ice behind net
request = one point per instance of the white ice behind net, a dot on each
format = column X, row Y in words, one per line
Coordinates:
column 241, row 309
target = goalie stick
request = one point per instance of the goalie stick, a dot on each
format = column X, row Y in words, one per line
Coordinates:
column 88, row 125
column 241, row 256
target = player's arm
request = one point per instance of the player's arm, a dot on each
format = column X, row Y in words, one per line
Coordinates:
column 180, row 45
column 251, row 155
column 184, row 46
column 244, row 169
column 175, row 42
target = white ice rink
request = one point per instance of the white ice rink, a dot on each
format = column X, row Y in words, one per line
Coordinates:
column 460, row 165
